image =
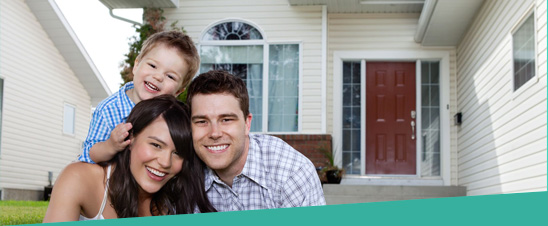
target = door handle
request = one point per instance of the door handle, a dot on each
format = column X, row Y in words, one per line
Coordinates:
column 412, row 130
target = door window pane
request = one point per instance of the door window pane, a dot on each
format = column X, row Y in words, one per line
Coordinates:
column 351, row 117
column 430, row 131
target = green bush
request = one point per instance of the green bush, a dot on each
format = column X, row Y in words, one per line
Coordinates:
column 22, row 212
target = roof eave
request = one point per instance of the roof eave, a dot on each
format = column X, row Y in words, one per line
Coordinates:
column 51, row 18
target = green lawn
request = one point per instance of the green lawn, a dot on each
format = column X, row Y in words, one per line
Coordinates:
column 22, row 212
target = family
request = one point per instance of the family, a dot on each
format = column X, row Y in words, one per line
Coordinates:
column 158, row 156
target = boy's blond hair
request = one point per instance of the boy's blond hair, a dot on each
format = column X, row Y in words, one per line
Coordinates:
column 181, row 42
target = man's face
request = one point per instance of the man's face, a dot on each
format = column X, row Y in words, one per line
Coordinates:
column 220, row 132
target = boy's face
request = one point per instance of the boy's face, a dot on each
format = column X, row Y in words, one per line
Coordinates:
column 160, row 71
column 220, row 131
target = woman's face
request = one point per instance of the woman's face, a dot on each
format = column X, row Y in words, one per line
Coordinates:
column 154, row 160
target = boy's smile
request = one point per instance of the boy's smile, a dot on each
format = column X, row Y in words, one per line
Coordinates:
column 158, row 72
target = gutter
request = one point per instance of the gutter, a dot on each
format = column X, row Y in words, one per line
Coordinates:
column 424, row 19
column 110, row 10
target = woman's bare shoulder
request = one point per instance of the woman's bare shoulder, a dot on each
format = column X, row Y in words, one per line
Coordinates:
column 82, row 175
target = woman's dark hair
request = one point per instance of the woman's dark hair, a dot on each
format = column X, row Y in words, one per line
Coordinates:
column 185, row 192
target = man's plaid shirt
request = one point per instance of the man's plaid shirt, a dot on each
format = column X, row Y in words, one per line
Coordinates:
column 274, row 176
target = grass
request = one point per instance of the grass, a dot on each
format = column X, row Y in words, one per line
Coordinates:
column 22, row 212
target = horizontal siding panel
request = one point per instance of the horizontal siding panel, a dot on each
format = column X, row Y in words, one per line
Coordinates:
column 521, row 128
column 32, row 138
column 502, row 141
column 507, row 178
column 531, row 153
column 505, row 117
column 527, row 184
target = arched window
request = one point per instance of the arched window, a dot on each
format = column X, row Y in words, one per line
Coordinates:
column 240, row 49
column 232, row 31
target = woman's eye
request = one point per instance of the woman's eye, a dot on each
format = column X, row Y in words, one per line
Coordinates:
column 155, row 145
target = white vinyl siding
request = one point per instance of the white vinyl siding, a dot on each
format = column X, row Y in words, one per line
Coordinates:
column 385, row 32
column 355, row 32
column 37, row 83
column 281, row 24
column 502, row 139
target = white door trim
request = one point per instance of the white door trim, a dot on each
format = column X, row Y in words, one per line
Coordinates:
column 393, row 55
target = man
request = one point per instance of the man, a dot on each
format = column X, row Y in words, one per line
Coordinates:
column 245, row 171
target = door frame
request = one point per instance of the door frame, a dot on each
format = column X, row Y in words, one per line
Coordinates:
column 397, row 56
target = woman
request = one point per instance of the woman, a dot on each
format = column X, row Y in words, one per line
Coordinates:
column 158, row 173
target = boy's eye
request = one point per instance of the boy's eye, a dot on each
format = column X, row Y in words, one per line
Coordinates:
column 152, row 65
column 171, row 77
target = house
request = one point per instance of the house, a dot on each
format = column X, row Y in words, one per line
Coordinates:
column 48, row 85
column 431, row 95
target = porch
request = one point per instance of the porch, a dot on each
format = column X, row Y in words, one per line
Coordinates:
column 347, row 193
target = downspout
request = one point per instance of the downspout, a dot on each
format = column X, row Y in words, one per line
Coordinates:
column 424, row 19
column 123, row 19
column 324, row 70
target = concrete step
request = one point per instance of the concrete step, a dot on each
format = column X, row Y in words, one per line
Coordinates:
column 345, row 194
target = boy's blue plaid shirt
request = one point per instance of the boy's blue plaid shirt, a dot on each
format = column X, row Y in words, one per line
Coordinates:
column 109, row 113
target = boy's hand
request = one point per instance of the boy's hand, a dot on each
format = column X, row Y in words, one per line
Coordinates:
column 118, row 137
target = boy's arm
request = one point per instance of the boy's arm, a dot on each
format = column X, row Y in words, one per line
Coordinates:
column 104, row 151
column 99, row 131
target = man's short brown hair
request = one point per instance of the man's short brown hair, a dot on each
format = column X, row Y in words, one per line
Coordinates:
column 219, row 82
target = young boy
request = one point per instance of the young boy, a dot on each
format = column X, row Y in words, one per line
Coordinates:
column 166, row 65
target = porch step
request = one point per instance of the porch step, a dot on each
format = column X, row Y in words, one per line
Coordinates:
column 345, row 194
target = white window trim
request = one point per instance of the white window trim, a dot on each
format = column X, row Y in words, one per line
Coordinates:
column 65, row 104
column 266, row 53
column 534, row 80
column 392, row 55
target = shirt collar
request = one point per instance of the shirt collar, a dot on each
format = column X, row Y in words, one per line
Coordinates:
column 254, row 168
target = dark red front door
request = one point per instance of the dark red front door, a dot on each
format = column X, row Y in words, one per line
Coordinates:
column 390, row 103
